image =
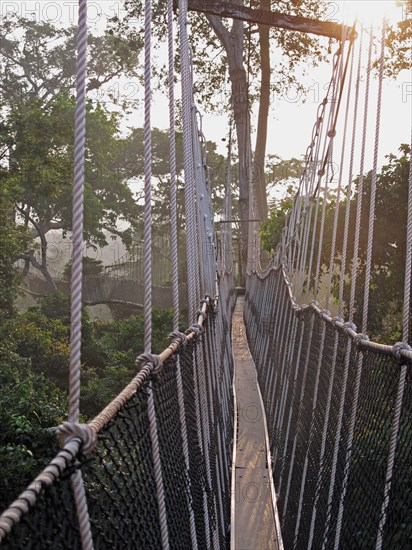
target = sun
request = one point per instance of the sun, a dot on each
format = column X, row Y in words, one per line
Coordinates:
column 367, row 12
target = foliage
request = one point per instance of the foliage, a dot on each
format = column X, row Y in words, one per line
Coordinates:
column 271, row 229
column 12, row 241
column 91, row 267
column 399, row 52
column 37, row 125
column 30, row 405
column 119, row 343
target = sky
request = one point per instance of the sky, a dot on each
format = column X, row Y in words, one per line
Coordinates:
column 292, row 115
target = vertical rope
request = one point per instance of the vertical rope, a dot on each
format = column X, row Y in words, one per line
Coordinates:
column 191, row 231
column 77, row 264
column 336, row 338
column 405, row 326
column 151, row 412
column 147, row 181
column 359, row 366
column 175, row 256
column 373, row 188
column 173, row 179
column 340, row 302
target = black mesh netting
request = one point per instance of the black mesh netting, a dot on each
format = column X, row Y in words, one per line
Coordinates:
column 119, row 475
column 330, row 474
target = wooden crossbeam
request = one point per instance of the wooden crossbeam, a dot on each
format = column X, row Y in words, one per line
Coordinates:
column 271, row 18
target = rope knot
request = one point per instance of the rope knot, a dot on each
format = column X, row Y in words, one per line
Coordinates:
column 349, row 326
column 196, row 328
column 397, row 349
column 152, row 360
column 69, row 430
column 337, row 320
column 199, row 313
column 179, row 336
column 209, row 301
column 361, row 338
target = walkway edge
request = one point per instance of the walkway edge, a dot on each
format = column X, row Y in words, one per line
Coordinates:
column 269, row 460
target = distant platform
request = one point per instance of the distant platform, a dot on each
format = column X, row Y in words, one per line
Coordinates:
column 254, row 525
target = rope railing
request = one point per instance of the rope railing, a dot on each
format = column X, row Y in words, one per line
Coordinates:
column 338, row 404
column 151, row 470
column 118, row 470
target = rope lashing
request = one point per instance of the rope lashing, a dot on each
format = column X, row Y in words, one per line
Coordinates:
column 179, row 336
column 195, row 328
column 70, row 430
column 398, row 348
column 153, row 361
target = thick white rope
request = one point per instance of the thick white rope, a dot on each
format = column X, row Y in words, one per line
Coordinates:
column 373, row 188
column 359, row 366
column 405, row 325
column 191, row 222
column 175, row 255
column 340, row 304
column 77, row 264
column 191, row 230
column 329, row 286
column 172, row 161
column 151, row 412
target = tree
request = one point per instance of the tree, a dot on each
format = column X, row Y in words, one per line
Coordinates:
column 37, row 119
column 238, row 54
column 12, row 242
column 30, row 405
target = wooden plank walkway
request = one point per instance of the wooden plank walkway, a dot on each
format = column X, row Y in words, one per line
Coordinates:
column 254, row 525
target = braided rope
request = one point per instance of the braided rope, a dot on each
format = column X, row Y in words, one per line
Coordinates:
column 173, row 181
column 359, row 366
column 147, row 181
column 360, row 187
column 373, row 187
column 28, row 498
column 154, row 436
column 405, row 324
column 191, row 231
column 408, row 262
column 78, row 218
column 175, row 256
column 340, row 304
column 77, row 263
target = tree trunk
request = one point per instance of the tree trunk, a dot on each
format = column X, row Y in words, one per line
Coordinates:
column 259, row 178
column 232, row 41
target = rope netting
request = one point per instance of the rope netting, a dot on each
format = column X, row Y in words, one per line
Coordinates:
column 152, row 470
column 338, row 405
column 118, row 474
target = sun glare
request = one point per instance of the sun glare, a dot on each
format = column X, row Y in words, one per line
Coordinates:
column 367, row 12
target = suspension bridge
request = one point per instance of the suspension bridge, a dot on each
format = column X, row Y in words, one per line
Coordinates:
column 270, row 422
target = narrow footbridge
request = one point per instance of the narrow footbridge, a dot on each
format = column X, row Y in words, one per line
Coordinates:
column 273, row 421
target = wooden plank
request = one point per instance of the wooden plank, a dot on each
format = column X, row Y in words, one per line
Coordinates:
column 271, row 18
column 253, row 511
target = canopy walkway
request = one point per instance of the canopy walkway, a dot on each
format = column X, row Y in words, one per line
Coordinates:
column 271, row 422
column 109, row 290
